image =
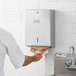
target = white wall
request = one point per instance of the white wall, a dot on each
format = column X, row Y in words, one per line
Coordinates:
column 12, row 19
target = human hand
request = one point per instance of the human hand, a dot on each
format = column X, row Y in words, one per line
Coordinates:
column 36, row 57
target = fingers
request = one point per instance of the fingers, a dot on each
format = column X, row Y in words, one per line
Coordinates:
column 39, row 55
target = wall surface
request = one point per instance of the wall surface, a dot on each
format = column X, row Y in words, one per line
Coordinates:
column 12, row 19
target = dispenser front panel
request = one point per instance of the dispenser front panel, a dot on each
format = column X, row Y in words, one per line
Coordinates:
column 38, row 28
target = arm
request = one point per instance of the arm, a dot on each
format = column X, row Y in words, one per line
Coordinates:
column 30, row 59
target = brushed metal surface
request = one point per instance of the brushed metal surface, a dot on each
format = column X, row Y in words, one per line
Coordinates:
column 59, row 66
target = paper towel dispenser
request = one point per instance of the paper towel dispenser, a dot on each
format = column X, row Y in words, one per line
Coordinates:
column 40, row 27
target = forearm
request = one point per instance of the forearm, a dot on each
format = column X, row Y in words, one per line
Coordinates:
column 28, row 60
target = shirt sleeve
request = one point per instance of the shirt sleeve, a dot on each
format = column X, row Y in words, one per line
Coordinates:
column 14, row 52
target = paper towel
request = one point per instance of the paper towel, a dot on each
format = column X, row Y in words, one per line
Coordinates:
column 39, row 49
